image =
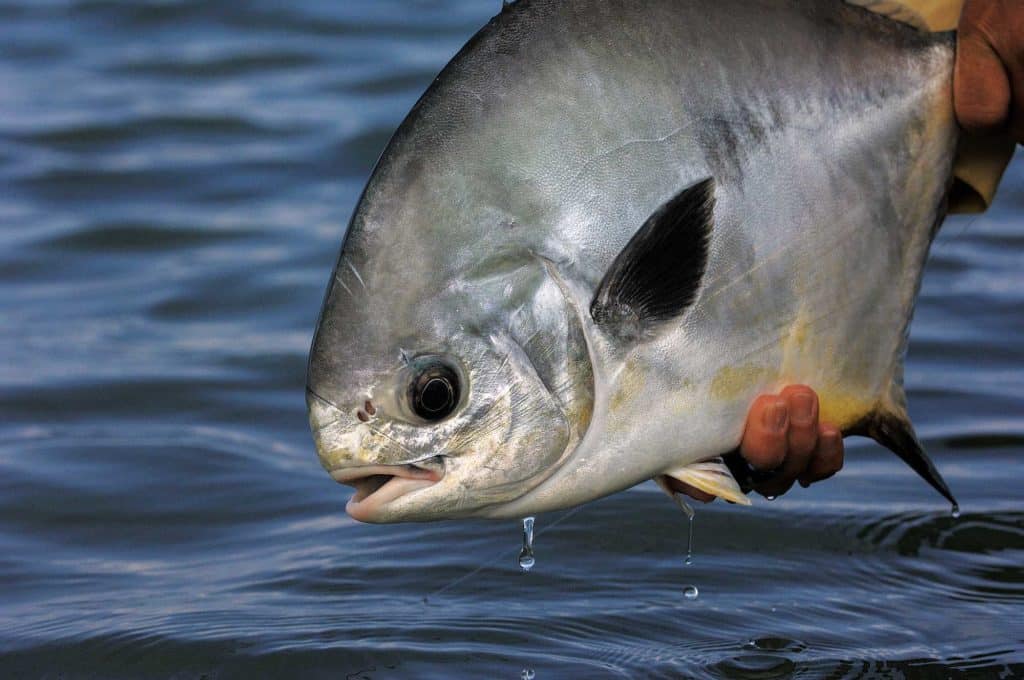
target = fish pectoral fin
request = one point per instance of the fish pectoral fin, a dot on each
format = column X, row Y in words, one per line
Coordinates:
column 658, row 274
column 710, row 476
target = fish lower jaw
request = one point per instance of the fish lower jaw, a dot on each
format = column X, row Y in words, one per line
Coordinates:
column 376, row 486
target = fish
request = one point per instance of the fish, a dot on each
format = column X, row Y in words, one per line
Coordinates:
column 607, row 227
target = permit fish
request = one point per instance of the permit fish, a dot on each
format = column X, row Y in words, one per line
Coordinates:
column 608, row 226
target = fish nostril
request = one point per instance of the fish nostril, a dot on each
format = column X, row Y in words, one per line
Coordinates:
column 362, row 416
column 370, row 408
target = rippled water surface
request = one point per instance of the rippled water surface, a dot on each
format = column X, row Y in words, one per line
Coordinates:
column 175, row 176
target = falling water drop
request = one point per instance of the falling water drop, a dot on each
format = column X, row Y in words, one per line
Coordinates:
column 690, row 592
column 688, row 511
column 526, row 558
column 528, row 674
column 955, row 511
column 689, row 539
column 770, row 498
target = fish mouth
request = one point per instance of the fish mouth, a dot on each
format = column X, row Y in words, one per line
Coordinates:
column 379, row 485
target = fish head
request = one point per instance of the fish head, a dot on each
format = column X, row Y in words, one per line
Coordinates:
column 447, row 376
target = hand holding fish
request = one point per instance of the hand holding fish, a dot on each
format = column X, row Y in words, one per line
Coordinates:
column 989, row 76
column 781, row 434
column 784, row 439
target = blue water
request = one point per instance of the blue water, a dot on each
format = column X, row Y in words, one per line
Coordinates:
column 175, row 177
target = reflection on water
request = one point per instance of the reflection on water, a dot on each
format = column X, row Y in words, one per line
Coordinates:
column 176, row 176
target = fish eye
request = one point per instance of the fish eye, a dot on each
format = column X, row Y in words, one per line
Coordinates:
column 435, row 392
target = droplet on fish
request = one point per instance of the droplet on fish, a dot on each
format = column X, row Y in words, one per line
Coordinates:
column 527, row 674
column 526, row 558
column 691, row 593
column 955, row 511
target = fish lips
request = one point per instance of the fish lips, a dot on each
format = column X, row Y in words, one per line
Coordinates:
column 376, row 486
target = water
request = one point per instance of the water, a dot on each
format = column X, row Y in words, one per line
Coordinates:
column 174, row 181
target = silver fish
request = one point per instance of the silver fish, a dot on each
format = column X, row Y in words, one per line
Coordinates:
column 607, row 227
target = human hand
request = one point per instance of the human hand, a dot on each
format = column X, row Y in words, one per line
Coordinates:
column 989, row 79
column 785, row 443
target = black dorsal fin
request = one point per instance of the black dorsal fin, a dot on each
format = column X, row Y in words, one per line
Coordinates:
column 894, row 432
column 657, row 275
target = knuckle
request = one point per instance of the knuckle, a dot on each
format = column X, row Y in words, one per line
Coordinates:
column 802, row 441
column 774, row 456
column 763, row 458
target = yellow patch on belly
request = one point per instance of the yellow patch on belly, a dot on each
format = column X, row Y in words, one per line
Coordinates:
column 735, row 381
column 842, row 408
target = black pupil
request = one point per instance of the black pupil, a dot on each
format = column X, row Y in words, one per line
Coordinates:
column 437, row 395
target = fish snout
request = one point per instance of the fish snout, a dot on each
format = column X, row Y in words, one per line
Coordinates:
column 376, row 486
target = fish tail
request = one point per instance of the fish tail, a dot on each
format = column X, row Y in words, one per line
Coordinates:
column 890, row 426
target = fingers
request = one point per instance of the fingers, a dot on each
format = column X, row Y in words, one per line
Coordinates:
column 765, row 439
column 989, row 76
column 801, row 439
column 783, row 436
column 828, row 456
column 981, row 86
column 802, row 403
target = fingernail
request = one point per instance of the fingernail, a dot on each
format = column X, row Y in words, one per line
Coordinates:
column 775, row 416
column 803, row 408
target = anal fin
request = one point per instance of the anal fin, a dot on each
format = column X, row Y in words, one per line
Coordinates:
column 710, row 476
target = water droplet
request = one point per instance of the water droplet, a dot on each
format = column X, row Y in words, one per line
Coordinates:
column 527, row 674
column 526, row 558
column 685, row 507
column 955, row 511
column 770, row 498
column 691, row 593
column 689, row 540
